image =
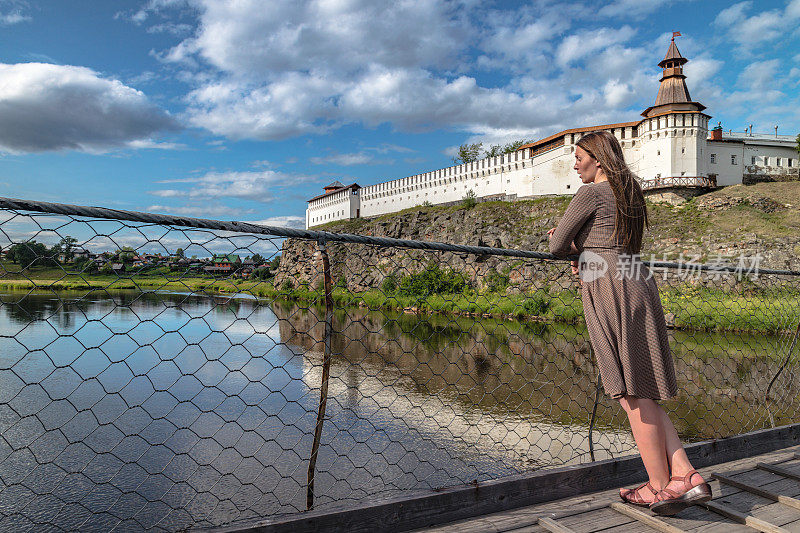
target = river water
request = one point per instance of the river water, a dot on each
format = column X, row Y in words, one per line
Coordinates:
column 168, row 410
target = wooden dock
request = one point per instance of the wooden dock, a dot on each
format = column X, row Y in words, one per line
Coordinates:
column 760, row 493
column 755, row 479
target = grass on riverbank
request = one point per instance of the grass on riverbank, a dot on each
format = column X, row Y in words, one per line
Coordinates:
column 692, row 308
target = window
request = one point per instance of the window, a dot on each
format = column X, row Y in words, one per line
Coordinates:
column 567, row 186
column 713, row 159
column 658, row 152
column 733, row 159
column 791, row 162
column 683, row 150
column 753, row 160
column 778, row 162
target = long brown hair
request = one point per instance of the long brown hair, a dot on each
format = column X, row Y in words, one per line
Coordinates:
column 631, row 209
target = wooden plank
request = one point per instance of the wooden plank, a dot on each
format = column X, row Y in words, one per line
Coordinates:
column 526, row 529
column 647, row 519
column 426, row 508
column 778, row 470
column 780, row 498
column 742, row 518
column 596, row 521
column 694, row 519
column 551, row 525
column 777, row 514
column 768, row 481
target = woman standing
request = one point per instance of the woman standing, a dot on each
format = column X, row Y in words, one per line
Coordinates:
column 604, row 223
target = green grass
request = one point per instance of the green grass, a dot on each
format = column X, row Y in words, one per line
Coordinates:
column 693, row 308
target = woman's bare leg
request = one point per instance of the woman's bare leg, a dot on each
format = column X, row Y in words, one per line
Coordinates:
column 647, row 425
column 658, row 442
column 676, row 455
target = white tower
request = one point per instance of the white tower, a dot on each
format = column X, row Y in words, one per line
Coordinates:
column 674, row 130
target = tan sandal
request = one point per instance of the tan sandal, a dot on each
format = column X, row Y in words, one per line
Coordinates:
column 669, row 502
column 633, row 495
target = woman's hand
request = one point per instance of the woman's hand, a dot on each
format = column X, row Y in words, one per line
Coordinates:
column 575, row 270
column 550, row 233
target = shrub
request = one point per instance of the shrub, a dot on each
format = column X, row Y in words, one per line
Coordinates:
column 433, row 280
column 537, row 304
column 470, row 199
column 389, row 285
column 497, row 282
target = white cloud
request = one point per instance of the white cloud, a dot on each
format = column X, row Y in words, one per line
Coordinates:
column 359, row 158
column 635, row 9
column 15, row 13
column 248, row 40
column 313, row 66
column 174, row 29
column 288, row 221
column 793, row 9
column 155, row 145
column 260, row 186
column 7, row 19
column 761, row 27
column 760, row 74
column 57, row 107
column 214, row 211
column 580, row 45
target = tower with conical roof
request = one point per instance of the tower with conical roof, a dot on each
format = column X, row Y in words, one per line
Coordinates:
column 673, row 94
column 672, row 135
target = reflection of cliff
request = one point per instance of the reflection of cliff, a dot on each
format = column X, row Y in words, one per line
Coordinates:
column 548, row 374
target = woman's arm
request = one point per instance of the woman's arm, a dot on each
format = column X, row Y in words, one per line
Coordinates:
column 582, row 206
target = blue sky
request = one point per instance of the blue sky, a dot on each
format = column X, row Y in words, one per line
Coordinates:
column 245, row 109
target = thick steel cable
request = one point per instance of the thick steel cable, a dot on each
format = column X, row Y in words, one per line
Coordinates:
column 324, row 236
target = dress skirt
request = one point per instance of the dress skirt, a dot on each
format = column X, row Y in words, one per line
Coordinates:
column 627, row 328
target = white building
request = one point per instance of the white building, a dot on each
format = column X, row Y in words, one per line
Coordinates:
column 670, row 148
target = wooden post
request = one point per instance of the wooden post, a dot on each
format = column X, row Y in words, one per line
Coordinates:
column 326, row 370
column 594, row 413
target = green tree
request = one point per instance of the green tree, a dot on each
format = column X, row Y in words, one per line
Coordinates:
column 65, row 246
column 85, row 265
column 179, row 253
column 27, row 253
column 467, row 153
column 257, row 259
column 512, row 147
column 125, row 254
column 494, row 150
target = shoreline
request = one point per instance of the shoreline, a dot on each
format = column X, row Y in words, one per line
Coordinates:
column 692, row 309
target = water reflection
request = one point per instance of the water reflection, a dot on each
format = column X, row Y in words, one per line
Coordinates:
column 168, row 410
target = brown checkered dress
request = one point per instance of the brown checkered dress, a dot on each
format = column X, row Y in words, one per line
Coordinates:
column 621, row 306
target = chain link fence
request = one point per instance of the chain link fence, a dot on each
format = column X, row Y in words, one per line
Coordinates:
column 169, row 373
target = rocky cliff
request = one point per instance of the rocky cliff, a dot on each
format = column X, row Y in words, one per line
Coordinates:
column 760, row 220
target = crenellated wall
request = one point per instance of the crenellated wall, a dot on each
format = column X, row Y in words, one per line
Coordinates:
column 673, row 144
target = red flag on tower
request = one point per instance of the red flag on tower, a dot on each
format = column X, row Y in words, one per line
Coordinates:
column 675, row 34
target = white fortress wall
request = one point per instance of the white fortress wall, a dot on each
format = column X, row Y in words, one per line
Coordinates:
column 501, row 175
column 726, row 161
column 731, row 158
column 339, row 205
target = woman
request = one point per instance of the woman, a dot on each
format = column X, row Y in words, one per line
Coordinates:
column 604, row 223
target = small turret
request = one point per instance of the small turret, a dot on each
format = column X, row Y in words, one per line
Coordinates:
column 673, row 94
